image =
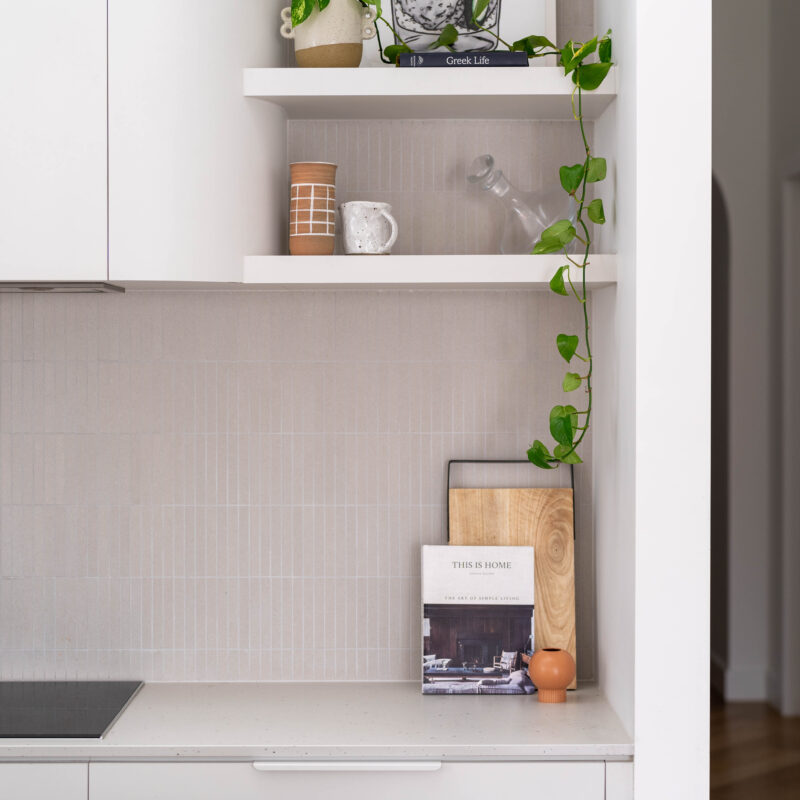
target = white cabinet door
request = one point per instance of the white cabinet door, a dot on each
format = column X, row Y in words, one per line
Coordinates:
column 53, row 140
column 44, row 781
column 619, row 780
column 565, row 780
column 193, row 164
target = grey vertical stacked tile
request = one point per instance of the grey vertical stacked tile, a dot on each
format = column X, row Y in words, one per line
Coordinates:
column 235, row 486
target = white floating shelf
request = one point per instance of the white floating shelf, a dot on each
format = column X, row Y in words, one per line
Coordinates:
column 466, row 93
column 420, row 272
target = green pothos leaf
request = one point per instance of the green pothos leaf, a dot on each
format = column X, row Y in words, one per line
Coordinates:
column 561, row 230
column 323, row 4
column 540, row 456
column 545, row 246
column 393, row 51
column 557, row 282
column 446, row 38
column 567, row 54
column 478, row 9
column 604, row 49
column 590, row 76
column 579, row 54
column 555, row 238
column 571, row 382
column 596, row 171
column 566, row 455
column 567, row 345
column 532, row 45
column 573, row 412
column 595, row 211
column 571, row 177
column 301, row 10
column 561, row 425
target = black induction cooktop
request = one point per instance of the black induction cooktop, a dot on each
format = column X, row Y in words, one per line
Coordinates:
column 62, row 709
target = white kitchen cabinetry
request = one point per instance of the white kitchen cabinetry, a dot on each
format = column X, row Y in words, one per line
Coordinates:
column 44, row 781
column 193, row 165
column 619, row 780
column 343, row 781
column 53, row 140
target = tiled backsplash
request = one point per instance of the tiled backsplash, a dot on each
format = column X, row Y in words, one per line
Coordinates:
column 235, row 486
column 420, row 167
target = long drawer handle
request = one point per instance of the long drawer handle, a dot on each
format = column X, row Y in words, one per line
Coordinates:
column 347, row 766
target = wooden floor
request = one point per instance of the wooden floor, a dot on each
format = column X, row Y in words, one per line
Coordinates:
column 755, row 753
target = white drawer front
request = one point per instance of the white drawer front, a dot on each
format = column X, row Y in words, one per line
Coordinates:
column 43, row 781
column 565, row 780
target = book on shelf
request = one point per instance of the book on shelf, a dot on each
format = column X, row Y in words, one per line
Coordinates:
column 494, row 58
column 477, row 619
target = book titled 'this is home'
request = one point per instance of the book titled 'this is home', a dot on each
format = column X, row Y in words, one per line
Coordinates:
column 477, row 619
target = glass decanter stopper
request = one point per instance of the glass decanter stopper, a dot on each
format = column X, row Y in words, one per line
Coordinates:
column 527, row 214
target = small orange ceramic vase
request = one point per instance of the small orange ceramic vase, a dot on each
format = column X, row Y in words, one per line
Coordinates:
column 551, row 671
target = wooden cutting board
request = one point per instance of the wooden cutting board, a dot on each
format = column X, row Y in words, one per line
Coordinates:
column 542, row 518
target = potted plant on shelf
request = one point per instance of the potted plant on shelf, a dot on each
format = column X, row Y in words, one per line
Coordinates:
column 328, row 33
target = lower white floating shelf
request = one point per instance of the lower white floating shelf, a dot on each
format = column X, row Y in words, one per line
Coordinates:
column 421, row 272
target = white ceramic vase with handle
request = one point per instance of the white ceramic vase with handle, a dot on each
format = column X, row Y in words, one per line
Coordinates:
column 368, row 228
column 333, row 37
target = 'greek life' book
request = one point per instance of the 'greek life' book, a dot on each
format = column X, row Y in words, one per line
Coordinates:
column 496, row 58
column 477, row 619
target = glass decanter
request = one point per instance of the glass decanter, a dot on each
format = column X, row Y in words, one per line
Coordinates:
column 527, row 214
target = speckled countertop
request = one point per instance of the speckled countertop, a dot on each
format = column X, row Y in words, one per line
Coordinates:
column 284, row 721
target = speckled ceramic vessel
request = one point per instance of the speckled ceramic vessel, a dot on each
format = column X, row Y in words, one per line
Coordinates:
column 330, row 38
column 368, row 228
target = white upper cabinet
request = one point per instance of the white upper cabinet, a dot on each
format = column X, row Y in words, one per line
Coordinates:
column 53, row 140
column 194, row 167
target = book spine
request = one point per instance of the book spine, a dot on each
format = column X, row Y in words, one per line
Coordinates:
column 492, row 59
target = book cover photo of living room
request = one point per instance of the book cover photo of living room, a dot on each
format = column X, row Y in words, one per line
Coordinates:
column 477, row 619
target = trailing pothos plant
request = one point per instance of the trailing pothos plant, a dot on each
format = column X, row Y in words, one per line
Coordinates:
column 589, row 64
column 568, row 424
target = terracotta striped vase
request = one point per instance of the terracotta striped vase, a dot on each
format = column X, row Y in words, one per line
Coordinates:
column 312, row 208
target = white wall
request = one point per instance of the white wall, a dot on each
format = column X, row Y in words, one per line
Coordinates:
column 784, row 149
column 741, row 166
column 658, row 522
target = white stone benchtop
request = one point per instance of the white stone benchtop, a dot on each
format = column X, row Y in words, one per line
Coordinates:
column 286, row 721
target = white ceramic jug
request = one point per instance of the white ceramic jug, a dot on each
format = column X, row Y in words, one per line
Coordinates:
column 368, row 228
column 333, row 37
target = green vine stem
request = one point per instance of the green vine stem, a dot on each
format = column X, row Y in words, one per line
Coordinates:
column 379, row 16
column 575, row 179
column 491, row 33
column 589, row 358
